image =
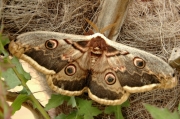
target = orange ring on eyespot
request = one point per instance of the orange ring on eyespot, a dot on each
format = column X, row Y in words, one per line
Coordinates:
column 51, row 44
column 110, row 78
column 70, row 70
column 139, row 62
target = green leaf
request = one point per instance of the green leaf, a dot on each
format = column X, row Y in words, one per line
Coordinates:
column 4, row 64
column 56, row 100
column 125, row 104
column 110, row 109
column 6, row 54
column 20, row 69
column 86, row 109
column 25, row 91
column 2, row 43
column 179, row 108
column 72, row 115
column 11, row 78
column 61, row 116
column 5, row 40
column 161, row 113
column 72, row 101
column 16, row 105
column 116, row 110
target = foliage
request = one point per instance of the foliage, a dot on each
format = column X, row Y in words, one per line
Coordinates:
column 5, row 109
column 161, row 113
column 56, row 100
column 85, row 110
column 14, row 75
column 117, row 110
column 18, row 102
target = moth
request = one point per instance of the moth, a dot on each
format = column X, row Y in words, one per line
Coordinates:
column 107, row 70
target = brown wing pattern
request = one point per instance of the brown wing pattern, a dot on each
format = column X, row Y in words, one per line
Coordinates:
column 107, row 70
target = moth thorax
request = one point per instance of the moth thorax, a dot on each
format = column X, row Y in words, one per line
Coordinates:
column 94, row 58
column 96, row 50
column 97, row 45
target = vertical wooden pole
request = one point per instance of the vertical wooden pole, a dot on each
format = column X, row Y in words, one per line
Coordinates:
column 113, row 11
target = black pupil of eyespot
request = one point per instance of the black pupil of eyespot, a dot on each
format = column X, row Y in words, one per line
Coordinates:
column 50, row 44
column 110, row 79
column 140, row 63
column 173, row 75
column 70, row 70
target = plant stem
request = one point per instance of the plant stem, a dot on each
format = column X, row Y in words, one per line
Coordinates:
column 31, row 96
column 118, row 113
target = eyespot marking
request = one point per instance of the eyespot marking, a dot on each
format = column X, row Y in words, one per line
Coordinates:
column 110, row 78
column 70, row 70
column 51, row 44
column 138, row 62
